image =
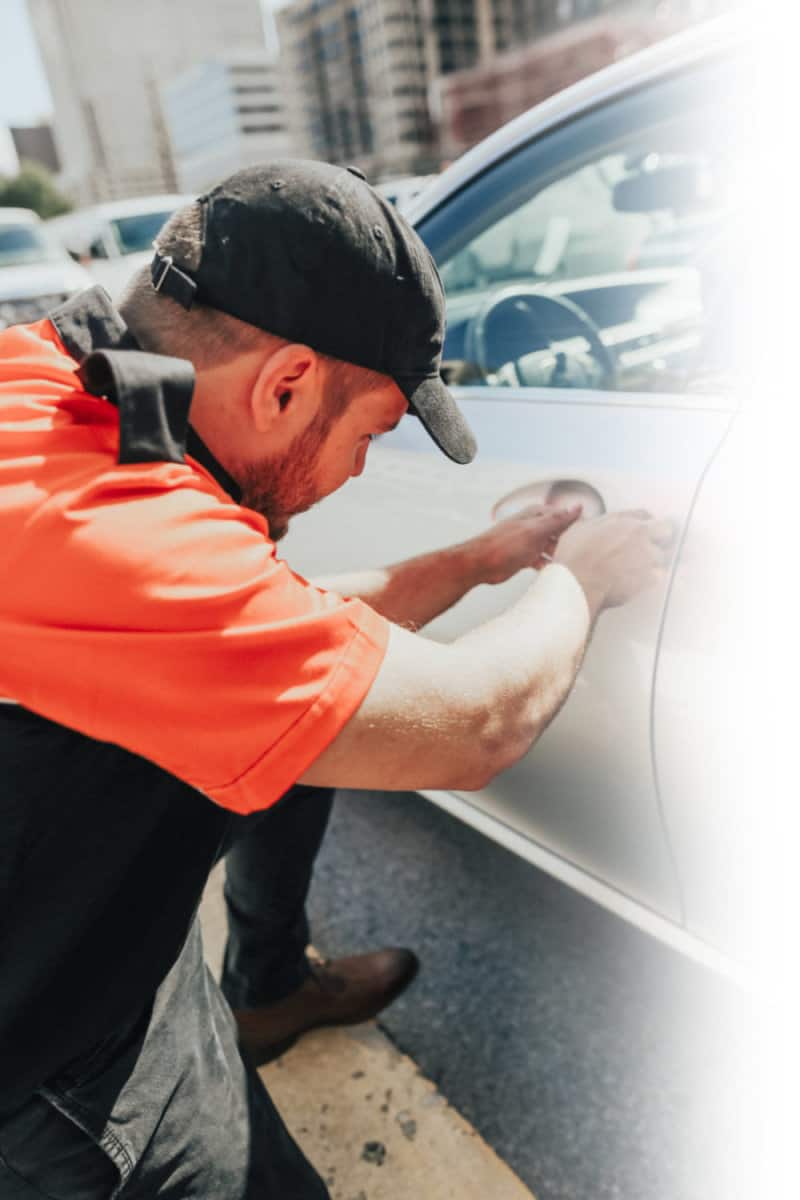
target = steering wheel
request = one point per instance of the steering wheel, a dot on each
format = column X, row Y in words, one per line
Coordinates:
column 513, row 322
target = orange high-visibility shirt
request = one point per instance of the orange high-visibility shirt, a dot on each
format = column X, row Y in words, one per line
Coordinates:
column 142, row 606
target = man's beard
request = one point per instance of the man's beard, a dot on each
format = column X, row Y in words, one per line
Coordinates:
column 281, row 488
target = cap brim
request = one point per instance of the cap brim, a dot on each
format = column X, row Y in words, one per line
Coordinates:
column 430, row 400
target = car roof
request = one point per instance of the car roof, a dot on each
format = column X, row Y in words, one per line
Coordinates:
column 680, row 52
column 19, row 216
column 395, row 181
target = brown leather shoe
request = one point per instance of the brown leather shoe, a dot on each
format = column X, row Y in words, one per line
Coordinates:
column 342, row 991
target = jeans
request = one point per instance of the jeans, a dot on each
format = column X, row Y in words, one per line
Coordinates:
column 268, row 865
column 170, row 1109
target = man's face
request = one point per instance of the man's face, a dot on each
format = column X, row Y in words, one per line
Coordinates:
column 328, row 452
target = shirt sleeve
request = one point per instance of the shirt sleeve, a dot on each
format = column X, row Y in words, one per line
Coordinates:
column 149, row 611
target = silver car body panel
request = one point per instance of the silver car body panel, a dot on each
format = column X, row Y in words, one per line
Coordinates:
column 685, row 942
column 709, row 684
column 586, row 791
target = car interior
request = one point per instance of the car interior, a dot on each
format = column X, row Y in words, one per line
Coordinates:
column 612, row 271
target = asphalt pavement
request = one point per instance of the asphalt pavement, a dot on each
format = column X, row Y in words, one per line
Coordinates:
column 373, row 1126
column 597, row 1063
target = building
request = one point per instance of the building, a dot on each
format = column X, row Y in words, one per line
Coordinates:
column 465, row 33
column 35, row 143
column 542, row 46
column 360, row 81
column 225, row 114
column 399, row 86
column 107, row 62
column 368, row 73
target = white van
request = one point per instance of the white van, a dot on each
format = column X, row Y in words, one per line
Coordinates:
column 113, row 240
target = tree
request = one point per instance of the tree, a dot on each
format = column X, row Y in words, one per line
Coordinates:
column 33, row 188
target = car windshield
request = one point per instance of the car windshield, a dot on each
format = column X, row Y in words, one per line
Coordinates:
column 24, row 244
column 137, row 233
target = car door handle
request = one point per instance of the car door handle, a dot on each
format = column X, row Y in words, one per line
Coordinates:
column 563, row 492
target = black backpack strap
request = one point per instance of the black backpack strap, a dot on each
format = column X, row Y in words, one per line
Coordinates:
column 153, row 394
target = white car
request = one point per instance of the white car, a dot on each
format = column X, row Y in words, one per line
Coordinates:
column 115, row 239
column 403, row 191
column 36, row 273
column 588, row 376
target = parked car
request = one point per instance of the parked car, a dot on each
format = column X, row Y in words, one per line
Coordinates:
column 403, row 191
column 36, row 273
column 588, row 376
column 113, row 240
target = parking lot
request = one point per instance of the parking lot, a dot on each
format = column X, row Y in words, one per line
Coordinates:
column 595, row 1062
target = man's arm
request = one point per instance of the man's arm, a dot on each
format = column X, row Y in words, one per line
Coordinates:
column 413, row 592
column 453, row 716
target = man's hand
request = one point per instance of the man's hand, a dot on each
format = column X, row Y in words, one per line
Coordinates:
column 413, row 592
column 528, row 539
column 452, row 716
column 616, row 556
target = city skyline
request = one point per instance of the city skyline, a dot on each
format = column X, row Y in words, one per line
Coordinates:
column 110, row 123
column 394, row 86
column 25, row 96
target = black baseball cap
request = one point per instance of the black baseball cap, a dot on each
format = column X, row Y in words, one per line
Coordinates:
column 311, row 253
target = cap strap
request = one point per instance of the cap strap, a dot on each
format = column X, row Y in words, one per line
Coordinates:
column 171, row 280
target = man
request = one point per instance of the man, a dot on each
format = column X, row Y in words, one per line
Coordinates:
column 167, row 678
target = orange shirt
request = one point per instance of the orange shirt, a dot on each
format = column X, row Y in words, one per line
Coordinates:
column 142, row 606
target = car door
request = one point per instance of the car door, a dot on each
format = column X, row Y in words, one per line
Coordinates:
column 708, row 695
column 582, row 346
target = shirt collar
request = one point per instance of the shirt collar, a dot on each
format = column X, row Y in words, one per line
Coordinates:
column 200, row 451
column 89, row 322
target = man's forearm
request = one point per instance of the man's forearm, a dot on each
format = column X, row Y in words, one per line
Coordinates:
column 527, row 659
column 453, row 715
column 413, row 592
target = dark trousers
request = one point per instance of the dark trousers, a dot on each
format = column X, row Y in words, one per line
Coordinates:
column 174, row 1113
column 268, row 865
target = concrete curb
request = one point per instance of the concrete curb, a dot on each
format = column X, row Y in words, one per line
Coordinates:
column 376, row 1129
column 366, row 1118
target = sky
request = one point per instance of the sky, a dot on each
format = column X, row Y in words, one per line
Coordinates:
column 24, row 94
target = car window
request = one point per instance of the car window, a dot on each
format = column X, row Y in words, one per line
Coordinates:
column 136, row 233
column 21, row 245
column 98, row 248
column 599, row 256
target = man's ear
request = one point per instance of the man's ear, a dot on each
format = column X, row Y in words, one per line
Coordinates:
column 287, row 390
